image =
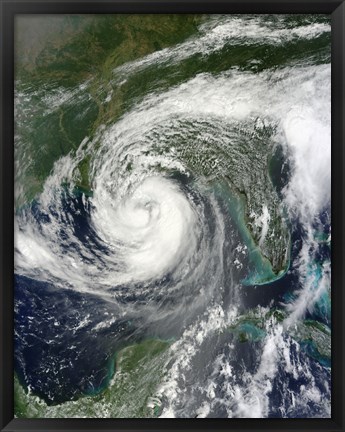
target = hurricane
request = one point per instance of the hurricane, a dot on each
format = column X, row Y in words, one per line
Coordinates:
column 175, row 259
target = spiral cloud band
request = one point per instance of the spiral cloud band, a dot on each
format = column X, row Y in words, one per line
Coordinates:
column 198, row 217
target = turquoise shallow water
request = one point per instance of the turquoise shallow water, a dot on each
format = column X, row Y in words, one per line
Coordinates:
column 172, row 217
column 260, row 269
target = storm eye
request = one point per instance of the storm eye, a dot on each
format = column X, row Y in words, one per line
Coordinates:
column 172, row 220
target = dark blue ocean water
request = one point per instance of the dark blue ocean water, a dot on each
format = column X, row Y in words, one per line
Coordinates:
column 59, row 351
column 65, row 341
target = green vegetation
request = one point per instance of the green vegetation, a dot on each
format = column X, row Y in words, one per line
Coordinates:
column 82, row 47
column 139, row 370
column 64, row 53
column 65, row 90
column 69, row 84
column 312, row 335
column 64, row 81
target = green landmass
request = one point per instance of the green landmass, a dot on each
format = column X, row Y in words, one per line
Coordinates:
column 80, row 51
column 68, row 84
column 252, row 327
column 139, row 370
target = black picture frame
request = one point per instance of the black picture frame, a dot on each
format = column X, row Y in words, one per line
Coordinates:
column 8, row 10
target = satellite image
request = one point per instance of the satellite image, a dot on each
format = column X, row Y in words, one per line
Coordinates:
column 172, row 216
